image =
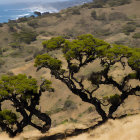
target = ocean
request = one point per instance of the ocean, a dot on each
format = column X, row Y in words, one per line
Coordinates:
column 17, row 10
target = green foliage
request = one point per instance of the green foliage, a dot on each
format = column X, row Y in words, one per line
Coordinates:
column 69, row 105
column 116, row 51
column 76, row 11
column 118, row 16
column 74, row 68
column 132, row 75
column 53, row 43
column 26, row 36
column 128, row 28
column 114, row 99
column 93, row 14
column 33, row 23
column 95, row 78
column 22, row 19
column 18, row 84
column 98, row 3
column 2, row 62
column 134, row 59
column 102, row 16
column 65, row 121
column 90, row 109
column 15, row 45
column 47, row 86
column 136, row 35
column 48, row 61
column 83, row 45
column 24, row 95
column 8, row 117
column 118, row 2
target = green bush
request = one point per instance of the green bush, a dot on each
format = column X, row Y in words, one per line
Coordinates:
column 128, row 28
column 15, row 45
column 76, row 11
column 101, row 17
column 69, row 105
column 33, row 23
column 98, row 3
column 136, row 35
column 2, row 62
column 22, row 19
column 114, row 99
column 117, row 16
column 118, row 2
column 93, row 14
column 26, row 36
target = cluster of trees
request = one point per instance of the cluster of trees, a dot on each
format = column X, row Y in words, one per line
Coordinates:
column 24, row 94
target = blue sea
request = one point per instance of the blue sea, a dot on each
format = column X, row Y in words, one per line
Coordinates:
column 16, row 10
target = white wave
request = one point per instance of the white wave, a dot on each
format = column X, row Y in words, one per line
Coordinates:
column 42, row 9
column 19, row 16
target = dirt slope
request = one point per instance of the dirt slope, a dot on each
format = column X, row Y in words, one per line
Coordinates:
column 127, row 128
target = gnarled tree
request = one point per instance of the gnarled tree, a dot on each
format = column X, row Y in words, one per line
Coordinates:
column 23, row 94
column 84, row 50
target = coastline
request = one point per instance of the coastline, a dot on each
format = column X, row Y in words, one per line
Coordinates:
column 15, row 11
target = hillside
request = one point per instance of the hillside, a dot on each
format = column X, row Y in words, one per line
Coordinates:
column 21, row 42
column 119, row 24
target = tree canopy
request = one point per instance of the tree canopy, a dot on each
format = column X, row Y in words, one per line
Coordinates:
column 86, row 49
column 24, row 95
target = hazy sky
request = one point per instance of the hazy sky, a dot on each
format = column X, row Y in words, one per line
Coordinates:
column 27, row 1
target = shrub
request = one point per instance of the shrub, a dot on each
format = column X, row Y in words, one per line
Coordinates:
column 102, row 32
column 93, row 14
column 101, row 17
column 136, row 35
column 114, row 99
column 2, row 62
column 22, row 19
column 128, row 28
column 98, row 3
column 76, row 12
column 69, row 105
column 117, row 16
column 33, row 23
column 118, row 2
column 15, row 45
column 90, row 109
column 28, row 59
column 16, row 53
column 11, row 26
column 1, row 51
column 26, row 36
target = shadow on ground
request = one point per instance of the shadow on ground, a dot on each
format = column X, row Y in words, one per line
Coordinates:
column 71, row 133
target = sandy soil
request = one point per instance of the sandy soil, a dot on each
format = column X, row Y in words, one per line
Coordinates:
column 125, row 129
